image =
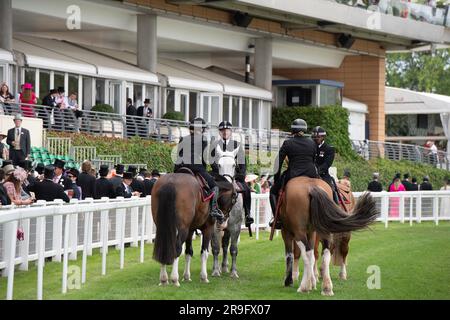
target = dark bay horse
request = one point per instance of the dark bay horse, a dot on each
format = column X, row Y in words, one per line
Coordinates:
column 178, row 210
column 307, row 208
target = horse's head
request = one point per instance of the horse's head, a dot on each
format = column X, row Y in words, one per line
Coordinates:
column 226, row 162
column 227, row 195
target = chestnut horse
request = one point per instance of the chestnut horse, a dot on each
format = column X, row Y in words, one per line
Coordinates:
column 178, row 211
column 307, row 208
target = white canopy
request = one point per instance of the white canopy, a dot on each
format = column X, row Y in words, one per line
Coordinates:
column 354, row 106
column 403, row 101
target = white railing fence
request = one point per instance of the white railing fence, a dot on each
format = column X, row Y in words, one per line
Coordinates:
column 60, row 231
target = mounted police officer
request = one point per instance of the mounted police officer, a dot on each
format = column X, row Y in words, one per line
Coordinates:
column 226, row 144
column 192, row 154
column 324, row 158
column 301, row 152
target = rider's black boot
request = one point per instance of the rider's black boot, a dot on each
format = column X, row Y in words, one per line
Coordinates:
column 273, row 205
column 215, row 211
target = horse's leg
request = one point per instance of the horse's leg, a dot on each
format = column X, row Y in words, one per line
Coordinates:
column 234, row 250
column 295, row 270
column 225, row 245
column 163, row 276
column 344, row 252
column 188, row 252
column 206, row 239
column 327, row 285
column 215, row 244
column 174, row 276
column 316, row 256
column 307, row 252
column 287, row 237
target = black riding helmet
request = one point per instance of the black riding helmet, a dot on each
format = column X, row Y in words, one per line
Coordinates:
column 318, row 132
column 225, row 125
column 197, row 123
column 299, row 125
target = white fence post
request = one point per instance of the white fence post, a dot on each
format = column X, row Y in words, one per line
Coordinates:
column 143, row 225
column 86, row 231
column 40, row 248
column 10, row 255
column 120, row 216
column 90, row 228
column 150, row 224
column 57, row 234
column 419, row 208
column 135, row 225
column 25, row 245
column 385, row 209
column 436, row 209
column 411, row 210
column 73, row 233
column 402, row 208
column 104, row 237
column 257, row 216
column 66, row 253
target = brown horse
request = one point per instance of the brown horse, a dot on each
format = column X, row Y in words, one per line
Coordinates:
column 307, row 208
column 178, row 211
column 339, row 241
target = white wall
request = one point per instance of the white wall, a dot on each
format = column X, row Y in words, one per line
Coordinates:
column 34, row 125
column 357, row 125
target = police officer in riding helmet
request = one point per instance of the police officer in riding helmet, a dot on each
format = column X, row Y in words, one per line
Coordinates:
column 300, row 151
column 192, row 154
column 226, row 144
column 324, row 158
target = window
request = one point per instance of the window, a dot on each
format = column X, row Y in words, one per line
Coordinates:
column 192, row 105
column 265, row 115
column 422, row 121
column 329, row 95
column 99, row 91
column 245, row 112
column 138, row 98
column 73, row 85
column 59, row 80
column 2, row 73
column 226, row 108
column 235, row 111
column 170, row 101
column 299, row 96
column 255, row 114
column 44, row 83
column 205, row 114
column 30, row 76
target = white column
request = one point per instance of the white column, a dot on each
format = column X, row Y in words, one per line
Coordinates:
column 263, row 63
column 146, row 42
column 6, row 25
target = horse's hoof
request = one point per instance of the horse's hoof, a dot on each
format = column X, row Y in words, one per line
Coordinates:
column 187, row 279
column 288, row 283
column 163, row 283
column 328, row 293
column 342, row 276
column 204, row 280
column 225, row 270
column 176, row 283
column 234, row 275
column 216, row 273
column 303, row 290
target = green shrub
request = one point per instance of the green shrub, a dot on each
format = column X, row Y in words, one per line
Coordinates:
column 173, row 115
column 334, row 119
column 103, row 108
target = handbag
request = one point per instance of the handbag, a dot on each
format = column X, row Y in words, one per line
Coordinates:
column 20, row 234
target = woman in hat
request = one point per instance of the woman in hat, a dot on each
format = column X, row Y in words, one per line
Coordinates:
column 13, row 186
column 396, row 186
column 6, row 98
column 27, row 96
column 4, row 151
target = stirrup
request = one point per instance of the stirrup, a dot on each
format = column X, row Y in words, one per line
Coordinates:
column 249, row 220
column 278, row 225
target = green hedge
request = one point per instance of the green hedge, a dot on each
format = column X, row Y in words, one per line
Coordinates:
column 103, row 108
column 334, row 119
column 174, row 115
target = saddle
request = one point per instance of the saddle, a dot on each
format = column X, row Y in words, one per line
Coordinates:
column 345, row 193
column 207, row 194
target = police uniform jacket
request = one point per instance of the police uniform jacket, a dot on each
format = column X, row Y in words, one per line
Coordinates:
column 324, row 158
column 221, row 145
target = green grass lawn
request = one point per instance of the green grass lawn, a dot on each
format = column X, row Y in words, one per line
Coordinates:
column 414, row 263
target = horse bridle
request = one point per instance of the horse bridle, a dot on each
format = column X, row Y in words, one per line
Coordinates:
column 235, row 193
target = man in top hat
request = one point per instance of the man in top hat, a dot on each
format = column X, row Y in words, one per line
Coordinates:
column 141, row 174
column 72, row 176
column 375, row 185
column 103, row 186
column 4, row 152
column 59, row 177
column 117, row 179
column 86, row 181
column 149, row 181
column 146, row 113
column 125, row 190
column 426, row 185
column 48, row 190
column 19, row 141
column 136, row 184
column 405, row 182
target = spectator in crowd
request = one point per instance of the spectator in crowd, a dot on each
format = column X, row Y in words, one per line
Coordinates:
column 445, row 201
column 131, row 112
column 39, row 171
column 141, row 174
column 405, row 182
column 19, row 141
column 103, row 186
column 72, row 176
column 8, row 169
column 149, row 181
column 13, row 187
column 397, row 176
column 375, row 185
column 49, row 101
column 396, row 186
column 59, row 177
column 86, row 181
column 125, row 190
column 116, row 180
column 27, row 165
column 4, row 151
column 72, row 104
column 48, row 190
column 136, row 184
column 4, row 199
column 414, row 185
column 27, row 98
column 59, row 110
column 426, row 185
column 5, row 99
column 146, row 113
column 346, row 178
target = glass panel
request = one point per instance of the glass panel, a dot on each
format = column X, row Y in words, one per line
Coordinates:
column 245, row 112
column 137, row 95
column 73, row 84
column 183, row 104
column 205, row 114
column 255, row 114
column 115, row 96
column 226, row 108
column 170, row 103
column 30, row 76
column 87, row 93
column 59, row 80
column 44, row 83
column 265, row 115
column 192, row 105
column 14, row 80
column 328, row 95
column 2, row 73
column 414, row 125
column 235, row 111
column 215, row 110
column 99, row 91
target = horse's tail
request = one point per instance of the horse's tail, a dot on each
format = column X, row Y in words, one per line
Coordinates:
column 164, row 250
column 326, row 217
